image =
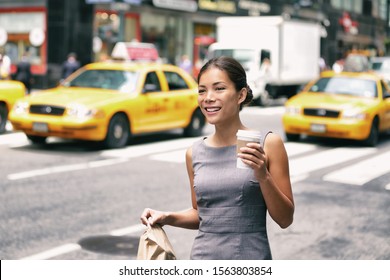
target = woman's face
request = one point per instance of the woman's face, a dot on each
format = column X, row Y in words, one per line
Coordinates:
column 218, row 98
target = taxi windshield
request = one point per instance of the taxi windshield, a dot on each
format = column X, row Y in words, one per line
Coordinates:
column 346, row 86
column 123, row 81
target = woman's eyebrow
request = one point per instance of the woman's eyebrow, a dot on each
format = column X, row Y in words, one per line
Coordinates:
column 213, row 84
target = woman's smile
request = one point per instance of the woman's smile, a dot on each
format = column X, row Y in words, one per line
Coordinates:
column 212, row 109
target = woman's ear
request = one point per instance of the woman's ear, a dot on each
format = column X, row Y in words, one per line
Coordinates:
column 242, row 95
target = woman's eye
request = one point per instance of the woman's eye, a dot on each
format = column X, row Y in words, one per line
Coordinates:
column 220, row 88
column 201, row 91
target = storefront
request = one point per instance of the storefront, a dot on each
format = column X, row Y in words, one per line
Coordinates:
column 50, row 29
column 176, row 27
column 24, row 31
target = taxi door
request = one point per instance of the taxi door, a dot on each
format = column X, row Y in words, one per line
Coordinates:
column 183, row 99
column 155, row 104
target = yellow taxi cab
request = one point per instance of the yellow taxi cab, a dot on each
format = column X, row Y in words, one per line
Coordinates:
column 111, row 101
column 10, row 91
column 348, row 105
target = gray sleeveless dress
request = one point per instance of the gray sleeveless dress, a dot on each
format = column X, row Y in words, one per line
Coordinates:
column 231, row 208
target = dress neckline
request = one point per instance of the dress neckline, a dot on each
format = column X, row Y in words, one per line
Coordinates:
column 213, row 147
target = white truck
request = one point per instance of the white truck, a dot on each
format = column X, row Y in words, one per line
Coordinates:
column 278, row 55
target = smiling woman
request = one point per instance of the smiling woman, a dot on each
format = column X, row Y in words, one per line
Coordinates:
column 229, row 204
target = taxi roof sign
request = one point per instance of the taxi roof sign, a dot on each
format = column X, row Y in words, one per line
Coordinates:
column 135, row 51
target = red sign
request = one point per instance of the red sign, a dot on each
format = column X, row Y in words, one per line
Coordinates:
column 136, row 53
column 348, row 24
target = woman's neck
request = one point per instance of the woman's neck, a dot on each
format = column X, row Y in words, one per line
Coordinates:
column 225, row 135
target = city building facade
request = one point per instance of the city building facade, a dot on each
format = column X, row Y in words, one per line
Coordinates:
column 51, row 29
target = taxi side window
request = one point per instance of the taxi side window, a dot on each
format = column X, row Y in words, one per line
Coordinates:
column 152, row 83
column 385, row 90
column 175, row 81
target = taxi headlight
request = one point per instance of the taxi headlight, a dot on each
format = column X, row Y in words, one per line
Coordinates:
column 354, row 114
column 21, row 107
column 292, row 110
column 80, row 111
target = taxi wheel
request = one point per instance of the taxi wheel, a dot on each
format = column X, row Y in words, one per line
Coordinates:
column 37, row 139
column 373, row 137
column 118, row 132
column 196, row 125
column 3, row 117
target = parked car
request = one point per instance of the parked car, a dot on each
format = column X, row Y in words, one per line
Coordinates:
column 111, row 101
column 381, row 66
column 340, row 105
column 10, row 91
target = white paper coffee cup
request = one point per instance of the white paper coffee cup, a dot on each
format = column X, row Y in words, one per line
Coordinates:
column 244, row 137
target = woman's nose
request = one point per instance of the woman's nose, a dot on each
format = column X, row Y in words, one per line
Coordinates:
column 209, row 96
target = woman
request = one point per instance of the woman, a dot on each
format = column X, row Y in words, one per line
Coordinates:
column 229, row 205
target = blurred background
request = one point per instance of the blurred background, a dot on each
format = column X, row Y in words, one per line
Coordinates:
column 51, row 29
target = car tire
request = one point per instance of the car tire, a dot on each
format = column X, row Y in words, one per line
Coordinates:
column 37, row 139
column 3, row 117
column 373, row 137
column 118, row 132
column 292, row 137
column 196, row 125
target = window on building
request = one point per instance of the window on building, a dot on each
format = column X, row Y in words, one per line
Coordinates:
column 337, row 4
column 355, row 6
column 25, row 33
column 382, row 9
column 375, row 8
column 108, row 31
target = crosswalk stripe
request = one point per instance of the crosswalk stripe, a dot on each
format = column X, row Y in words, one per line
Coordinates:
column 14, row 139
column 361, row 172
column 294, row 149
column 65, row 168
column 307, row 164
column 174, row 156
column 150, row 149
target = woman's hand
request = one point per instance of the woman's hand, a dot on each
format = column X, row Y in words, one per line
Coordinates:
column 149, row 217
column 253, row 155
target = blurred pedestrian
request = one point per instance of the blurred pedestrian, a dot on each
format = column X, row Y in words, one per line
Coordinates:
column 5, row 66
column 70, row 65
column 265, row 68
column 229, row 205
column 23, row 72
column 186, row 64
column 322, row 64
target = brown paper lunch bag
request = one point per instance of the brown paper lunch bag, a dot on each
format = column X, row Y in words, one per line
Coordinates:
column 154, row 245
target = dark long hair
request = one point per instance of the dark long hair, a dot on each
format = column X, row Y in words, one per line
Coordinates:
column 235, row 72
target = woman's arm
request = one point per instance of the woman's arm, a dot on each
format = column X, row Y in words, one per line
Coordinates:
column 185, row 219
column 271, row 168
